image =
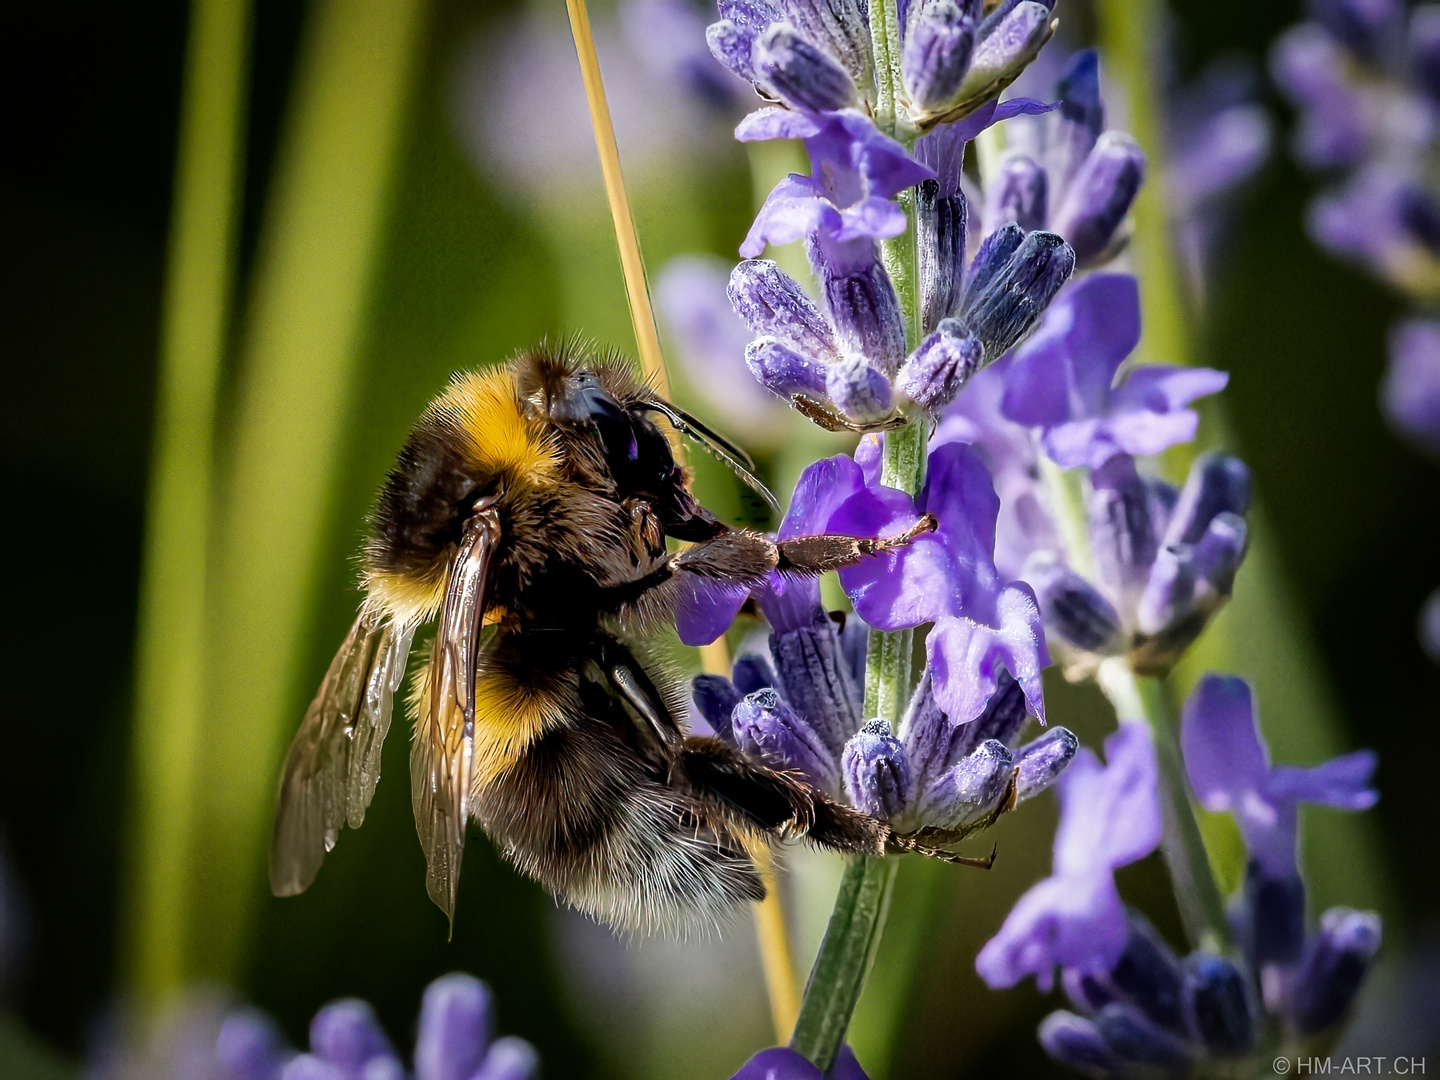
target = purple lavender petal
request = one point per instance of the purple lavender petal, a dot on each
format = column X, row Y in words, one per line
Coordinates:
column 793, row 209
column 1109, row 816
column 1065, row 371
column 778, row 1063
column 790, row 603
column 1343, row 782
column 878, row 779
column 1076, row 922
column 773, row 304
column 823, row 488
column 1220, row 740
column 884, row 165
column 801, row 74
column 1311, row 69
column 509, row 1059
column 765, row 124
column 1100, row 196
column 1410, row 392
column 767, row 727
column 705, row 608
column 966, row 658
column 310, row 1067
column 950, row 139
column 456, row 1019
column 1043, row 761
column 872, row 218
column 347, row 1034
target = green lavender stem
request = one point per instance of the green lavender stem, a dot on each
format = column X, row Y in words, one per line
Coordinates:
column 169, row 702
column 1139, row 699
column 852, row 937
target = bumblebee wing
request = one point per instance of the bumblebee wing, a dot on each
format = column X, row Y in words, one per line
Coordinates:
column 441, row 756
column 334, row 763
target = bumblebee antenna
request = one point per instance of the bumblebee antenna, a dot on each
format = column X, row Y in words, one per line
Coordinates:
column 738, row 460
column 632, row 263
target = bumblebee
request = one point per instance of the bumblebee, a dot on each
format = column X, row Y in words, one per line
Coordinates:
column 529, row 510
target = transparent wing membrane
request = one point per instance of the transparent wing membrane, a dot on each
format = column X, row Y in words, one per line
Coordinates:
column 334, row 763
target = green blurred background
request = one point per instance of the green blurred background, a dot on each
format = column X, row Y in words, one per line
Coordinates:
column 463, row 273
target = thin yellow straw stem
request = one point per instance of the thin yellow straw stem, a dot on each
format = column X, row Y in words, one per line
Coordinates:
column 770, row 929
column 632, row 264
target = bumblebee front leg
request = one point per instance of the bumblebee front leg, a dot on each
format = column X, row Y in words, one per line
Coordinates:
column 746, row 557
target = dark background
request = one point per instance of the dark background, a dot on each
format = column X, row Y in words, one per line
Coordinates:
column 88, row 109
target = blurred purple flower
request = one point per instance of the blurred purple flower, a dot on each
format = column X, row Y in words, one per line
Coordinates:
column 455, row 1041
column 1065, row 172
column 1410, row 392
column 782, row 1063
column 1062, row 380
column 1109, row 817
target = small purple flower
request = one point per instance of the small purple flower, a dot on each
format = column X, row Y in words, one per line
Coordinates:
column 1230, row 769
column 782, row 1063
column 1109, row 817
column 1410, row 393
column 455, row 1041
column 1063, row 380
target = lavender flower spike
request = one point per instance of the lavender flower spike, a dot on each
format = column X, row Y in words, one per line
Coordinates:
column 1410, row 394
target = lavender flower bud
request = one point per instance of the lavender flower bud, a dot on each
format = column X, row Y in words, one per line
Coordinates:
column 938, row 44
column 816, row 679
column 1007, row 306
column 1424, row 42
column 1136, row 1040
column 716, row 697
column 800, row 73
column 1150, row 977
column 753, row 672
column 1336, row 961
column 969, row 791
column 841, row 28
column 772, row 303
column 734, row 47
column 862, row 303
column 1100, row 195
column 1082, row 113
column 1086, row 990
column 1042, row 761
column 1419, row 216
column 878, row 780
column 1073, row 609
column 860, row 392
column 1018, row 193
column 456, row 1019
column 1076, row 1042
column 1274, row 917
column 854, row 643
column 783, row 371
column 940, row 367
column 766, row 726
column 347, row 1034
column 509, row 1058
column 1122, row 526
column 1006, row 49
column 1216, row 484
column 1218, row 1007
column 995, row 251
column 940, row 253
column 1220, row 552
column 1169, row 595
column 934, row 745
